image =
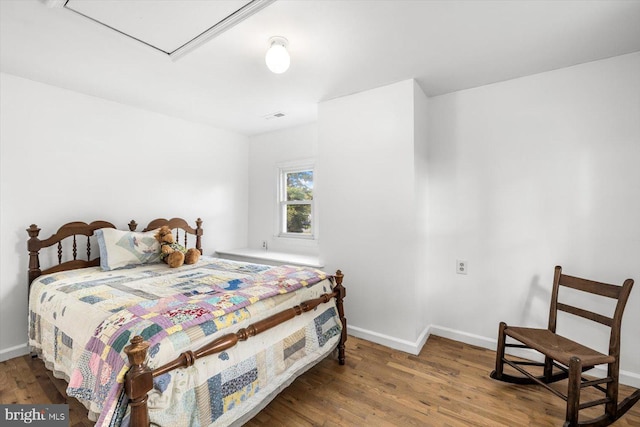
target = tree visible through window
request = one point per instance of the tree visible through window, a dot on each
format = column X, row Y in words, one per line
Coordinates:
column 296, row 202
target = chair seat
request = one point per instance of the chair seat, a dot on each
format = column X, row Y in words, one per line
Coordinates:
column 557, row 347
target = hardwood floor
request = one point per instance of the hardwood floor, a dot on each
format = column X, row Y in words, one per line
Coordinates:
column 446, row 385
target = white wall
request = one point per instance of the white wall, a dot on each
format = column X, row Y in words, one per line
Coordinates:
column 513, row 177
column 527, row 174
column 266, row 151
column 67, row 156
column 367, row 186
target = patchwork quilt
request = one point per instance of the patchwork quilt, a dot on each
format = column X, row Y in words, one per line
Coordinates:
column 81, row 320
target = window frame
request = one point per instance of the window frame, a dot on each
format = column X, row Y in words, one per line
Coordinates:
column 281, row 203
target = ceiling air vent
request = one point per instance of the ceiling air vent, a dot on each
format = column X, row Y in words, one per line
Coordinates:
column 274, row 115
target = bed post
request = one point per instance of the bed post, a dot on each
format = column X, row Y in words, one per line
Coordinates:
column 138, row 381
column 33, row 245
column 199, row 235
column 341, row 292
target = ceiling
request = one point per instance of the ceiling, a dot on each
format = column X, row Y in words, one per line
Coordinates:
column 337, row 48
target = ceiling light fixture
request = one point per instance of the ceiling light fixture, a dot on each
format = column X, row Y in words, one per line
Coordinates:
column 277, row 57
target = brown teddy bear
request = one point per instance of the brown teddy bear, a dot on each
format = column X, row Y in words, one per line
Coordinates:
column 172, row 253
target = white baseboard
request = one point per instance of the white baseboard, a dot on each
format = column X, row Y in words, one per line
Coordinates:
column 465, row 337
column 627, row 378
column 15, row 351
column 389, row 341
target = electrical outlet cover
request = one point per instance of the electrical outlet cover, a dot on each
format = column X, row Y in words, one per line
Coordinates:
column 461, row 266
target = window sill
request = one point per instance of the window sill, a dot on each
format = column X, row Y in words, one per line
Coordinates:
column 260, row 256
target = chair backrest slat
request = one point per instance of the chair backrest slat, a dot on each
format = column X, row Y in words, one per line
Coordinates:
column 603, row 289
column 586, row 314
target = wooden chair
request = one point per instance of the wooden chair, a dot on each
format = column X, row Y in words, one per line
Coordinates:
column 570, row 358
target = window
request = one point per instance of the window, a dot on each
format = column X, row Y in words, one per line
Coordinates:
column 295, row 204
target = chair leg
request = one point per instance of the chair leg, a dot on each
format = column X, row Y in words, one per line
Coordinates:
column 497, row 373
column 548, row 369
column 613, row 372
column 573, row 392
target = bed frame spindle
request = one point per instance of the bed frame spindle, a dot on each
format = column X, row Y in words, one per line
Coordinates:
column 88, row 248
column 60, row 252
column 75, row 248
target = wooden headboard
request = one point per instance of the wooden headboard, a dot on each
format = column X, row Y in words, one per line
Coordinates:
column 73, row 230
column 176, row 224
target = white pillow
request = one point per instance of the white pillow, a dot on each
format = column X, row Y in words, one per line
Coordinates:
column 124, row 248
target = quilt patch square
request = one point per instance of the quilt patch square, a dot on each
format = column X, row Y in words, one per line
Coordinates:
column 324, row 330
column 294, row 343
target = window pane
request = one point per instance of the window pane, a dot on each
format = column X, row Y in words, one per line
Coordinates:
column 300, row 185
column 299, row 219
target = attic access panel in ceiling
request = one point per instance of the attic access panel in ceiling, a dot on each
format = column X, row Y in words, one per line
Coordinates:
column 171, row 27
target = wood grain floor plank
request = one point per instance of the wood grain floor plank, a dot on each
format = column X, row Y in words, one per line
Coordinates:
column 446, row 385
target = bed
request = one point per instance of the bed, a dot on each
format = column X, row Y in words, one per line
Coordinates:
column 140, row 343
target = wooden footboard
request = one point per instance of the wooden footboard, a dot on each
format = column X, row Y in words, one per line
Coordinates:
column 139, row 378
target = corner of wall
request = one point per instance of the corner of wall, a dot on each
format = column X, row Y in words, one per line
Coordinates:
column 411, row 347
